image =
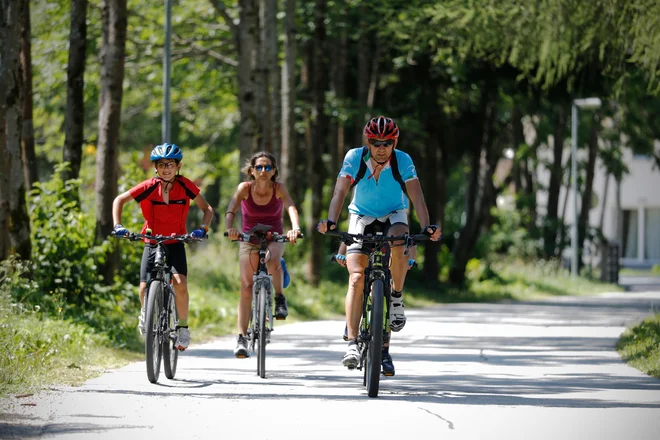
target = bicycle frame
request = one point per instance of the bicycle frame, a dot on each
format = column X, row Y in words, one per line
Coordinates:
column 160, row 308
column 375, row 321
column 261, row 318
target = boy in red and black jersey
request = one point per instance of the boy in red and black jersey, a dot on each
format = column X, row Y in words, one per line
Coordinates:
column 165, row 201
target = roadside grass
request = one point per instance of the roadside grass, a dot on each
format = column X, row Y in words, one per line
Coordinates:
column 39, row 350
column 639, row 346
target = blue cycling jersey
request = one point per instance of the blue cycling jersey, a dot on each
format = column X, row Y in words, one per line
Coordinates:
column 381, row 197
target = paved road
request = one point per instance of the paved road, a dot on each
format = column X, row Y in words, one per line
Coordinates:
column 536, row 370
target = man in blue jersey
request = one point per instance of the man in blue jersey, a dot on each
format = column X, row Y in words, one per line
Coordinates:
column 384, row 178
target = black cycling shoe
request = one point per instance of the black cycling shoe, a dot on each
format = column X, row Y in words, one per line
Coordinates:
column 281, row 307
column 386, row 364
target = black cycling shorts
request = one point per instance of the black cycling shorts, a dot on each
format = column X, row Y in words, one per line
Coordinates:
column 176, row 258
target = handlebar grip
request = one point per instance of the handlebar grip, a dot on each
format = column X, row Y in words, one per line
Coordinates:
column 226, row 234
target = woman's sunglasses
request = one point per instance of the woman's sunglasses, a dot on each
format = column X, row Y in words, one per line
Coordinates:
column 385, row 143
column 266, row 168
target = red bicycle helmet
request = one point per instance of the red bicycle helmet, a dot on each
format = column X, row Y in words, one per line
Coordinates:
column 381, row 128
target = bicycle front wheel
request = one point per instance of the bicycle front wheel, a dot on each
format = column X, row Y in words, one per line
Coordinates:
column 374, row 352
column 170, row 353
column 152, row 341
column 262, row 341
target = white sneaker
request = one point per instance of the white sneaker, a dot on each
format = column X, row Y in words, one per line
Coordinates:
column 397, row 314
column 352, row 357
column 141, row 322
column 182, row 338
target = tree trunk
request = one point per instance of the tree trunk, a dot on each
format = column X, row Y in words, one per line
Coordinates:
column 14, row 219
column 75, row 97
column 556, row 174
column 248, row 37
column 363, row 52
column 583, row 220
column 27, row 133
column 274, row 78
column 288, row 156
column 479, row 195
column 318, row 138
column 113, row 48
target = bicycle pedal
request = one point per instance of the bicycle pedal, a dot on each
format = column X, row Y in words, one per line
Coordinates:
column 280, row 319
column 387, row 374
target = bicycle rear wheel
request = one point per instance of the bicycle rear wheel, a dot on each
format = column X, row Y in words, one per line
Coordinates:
column 262, row 341
column 152, row 341
column 170, row 353
column 374, row 352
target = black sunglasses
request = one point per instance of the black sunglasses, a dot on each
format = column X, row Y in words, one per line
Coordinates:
column 266, row 168
column 385, row 143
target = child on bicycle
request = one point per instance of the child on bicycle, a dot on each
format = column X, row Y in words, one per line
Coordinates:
column 262, row 200
column 165, row 201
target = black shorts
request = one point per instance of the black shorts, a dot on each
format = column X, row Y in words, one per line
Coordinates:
column 176, row 258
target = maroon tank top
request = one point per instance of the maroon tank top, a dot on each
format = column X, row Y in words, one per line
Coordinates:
column 269, row 214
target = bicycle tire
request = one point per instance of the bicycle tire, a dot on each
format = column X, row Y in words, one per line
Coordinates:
column 170, row 353
column 374, row 351
column 261, row 350
column 152, row 340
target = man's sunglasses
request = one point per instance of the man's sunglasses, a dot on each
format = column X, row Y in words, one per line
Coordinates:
column 385, row 143
column 266, row 168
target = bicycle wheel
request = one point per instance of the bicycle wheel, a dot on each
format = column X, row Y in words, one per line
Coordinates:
column 262, row 341
column 152, row 340
column 374, row 351
column 170, row 353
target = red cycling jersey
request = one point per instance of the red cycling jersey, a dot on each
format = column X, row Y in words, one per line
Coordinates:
column 165, row 218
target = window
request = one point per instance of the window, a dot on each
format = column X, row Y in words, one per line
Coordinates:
column 652, row 234
column 630, row 233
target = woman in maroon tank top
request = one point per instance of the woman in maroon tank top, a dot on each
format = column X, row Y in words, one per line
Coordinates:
column 262, row 200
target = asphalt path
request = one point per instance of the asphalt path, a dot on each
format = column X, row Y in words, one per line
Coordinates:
column 533, row 370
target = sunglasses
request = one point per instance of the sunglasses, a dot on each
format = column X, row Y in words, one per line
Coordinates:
column 165, row 165
column 266, row 168
column 385, row 143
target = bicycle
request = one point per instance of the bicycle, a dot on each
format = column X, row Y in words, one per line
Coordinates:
column 374, row 327
column 261, row 319
column 160, row 308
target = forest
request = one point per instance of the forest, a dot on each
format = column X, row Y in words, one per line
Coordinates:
column 84, row 93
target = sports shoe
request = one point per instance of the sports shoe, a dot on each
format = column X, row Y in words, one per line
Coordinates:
column 241, row 350
column 281, row 307
column 352, row 357
column 397, row 314
column 286, row 278
column 141, row 323
column 386, row 364
column 182, row 338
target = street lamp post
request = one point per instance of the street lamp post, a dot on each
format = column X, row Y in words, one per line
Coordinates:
column 586, row 103
column 167, row 69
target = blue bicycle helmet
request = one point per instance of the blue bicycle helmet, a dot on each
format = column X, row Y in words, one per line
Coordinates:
column 166, row 151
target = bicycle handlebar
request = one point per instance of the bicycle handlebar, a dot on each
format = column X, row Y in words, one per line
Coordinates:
column 271, row 236
column 349, row 239
column 186, row 238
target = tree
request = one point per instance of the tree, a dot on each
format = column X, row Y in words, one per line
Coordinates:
column 27, row 132
column 14, row 220
column 288, row 143
column 114, row 18
column 75, row 105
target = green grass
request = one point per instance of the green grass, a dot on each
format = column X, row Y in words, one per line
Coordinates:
column 640, row 346
column 39, row 351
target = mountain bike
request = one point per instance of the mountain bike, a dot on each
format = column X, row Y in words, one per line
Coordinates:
column 374, row 327
column 160, row 319
column 261, row 319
